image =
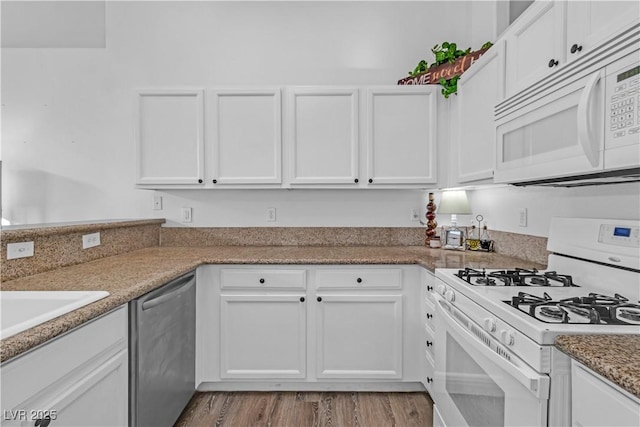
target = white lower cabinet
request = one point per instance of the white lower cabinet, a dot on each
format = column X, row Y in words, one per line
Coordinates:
column 78, row 379
column 596, row 401
column 262, row 336
column 307, row 324
column 359, row 336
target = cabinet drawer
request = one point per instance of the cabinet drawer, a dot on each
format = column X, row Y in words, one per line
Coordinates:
column 376, row 278
column 262, row 278
column 64, row 357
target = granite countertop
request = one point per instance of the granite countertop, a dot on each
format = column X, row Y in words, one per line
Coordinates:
column 615, row 357
column 133, row 274
column 16, row 233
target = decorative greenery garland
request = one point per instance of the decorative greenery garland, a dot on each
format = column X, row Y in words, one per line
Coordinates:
column 448, row 52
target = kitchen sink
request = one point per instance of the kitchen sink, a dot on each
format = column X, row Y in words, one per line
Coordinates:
column 21, row 310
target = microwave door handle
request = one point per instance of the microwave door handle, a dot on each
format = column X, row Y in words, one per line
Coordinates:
column 537, row 384
column 586, row 134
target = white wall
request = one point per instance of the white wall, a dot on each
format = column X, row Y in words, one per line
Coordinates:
column 67, row 138
column 499, row 206
column 67, row 131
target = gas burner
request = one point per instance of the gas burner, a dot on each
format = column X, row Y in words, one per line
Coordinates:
column 630, row 314
column 576, row 313
column 486, row 281
column 469, row 273
column 593, row 309
column 552, row 312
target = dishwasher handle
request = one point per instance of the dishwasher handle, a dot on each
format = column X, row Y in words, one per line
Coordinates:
column 178, row 287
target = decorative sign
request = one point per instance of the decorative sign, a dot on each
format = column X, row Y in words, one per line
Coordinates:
column 446, row 71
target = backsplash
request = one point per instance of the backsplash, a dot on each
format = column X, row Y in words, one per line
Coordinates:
column 531, row 248
column 292, row 236
column 59, row 246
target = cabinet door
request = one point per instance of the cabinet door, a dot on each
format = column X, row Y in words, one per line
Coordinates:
column 534, row 44
column 323, row 135
column 597, row 402
column 591, row 22
column 401, row 138
column 262, row 336
column 169, row 137
column 98, row 398
column 70, row 376
column 359, row 336
column 479, row 90
column 245, row 130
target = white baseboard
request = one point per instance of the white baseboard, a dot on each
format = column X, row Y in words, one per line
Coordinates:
column 315, row 386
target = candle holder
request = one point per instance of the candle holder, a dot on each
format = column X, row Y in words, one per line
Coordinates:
column 431, row 220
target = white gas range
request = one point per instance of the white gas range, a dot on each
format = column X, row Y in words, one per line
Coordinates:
column 495, row 359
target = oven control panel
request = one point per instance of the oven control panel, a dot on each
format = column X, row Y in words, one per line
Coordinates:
column 619, row 235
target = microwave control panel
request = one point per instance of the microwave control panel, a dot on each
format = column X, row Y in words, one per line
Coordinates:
column 623, row 98
column 624, row 114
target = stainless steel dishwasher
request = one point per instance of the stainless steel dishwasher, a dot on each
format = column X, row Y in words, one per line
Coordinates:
column 162, row 343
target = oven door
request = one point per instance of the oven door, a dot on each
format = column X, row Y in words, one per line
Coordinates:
column 480, row 383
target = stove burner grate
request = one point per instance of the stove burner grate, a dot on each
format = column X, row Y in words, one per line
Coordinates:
column 515, row 277
column 594, row 309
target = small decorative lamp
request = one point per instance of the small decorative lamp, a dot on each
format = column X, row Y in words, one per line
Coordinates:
column 454, row 203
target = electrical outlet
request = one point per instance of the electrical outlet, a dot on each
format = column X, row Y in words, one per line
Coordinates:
column 415, row 214
column 90, row 240
column 522, row 217
column 186, row 215
column 157, row 203
column 19, row 250
column 271, row 215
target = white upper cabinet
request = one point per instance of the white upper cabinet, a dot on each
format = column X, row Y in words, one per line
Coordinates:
column 479, row 90
column 589, row 22
column 169, row 137
column 242, row 143
column 534, row 45
column 401, row 135
column 323, row 135
column 245, row 130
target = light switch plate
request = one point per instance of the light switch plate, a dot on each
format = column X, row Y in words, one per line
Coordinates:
column 19, row 250
column 522, row 217
column 186, row 214
column 90, row 240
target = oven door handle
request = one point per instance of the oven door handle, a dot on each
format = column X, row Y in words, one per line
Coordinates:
column 537, row 384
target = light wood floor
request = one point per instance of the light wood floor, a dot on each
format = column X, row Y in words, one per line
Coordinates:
column 298, row 409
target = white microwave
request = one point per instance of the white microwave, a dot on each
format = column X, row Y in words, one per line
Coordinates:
column 579, row 126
